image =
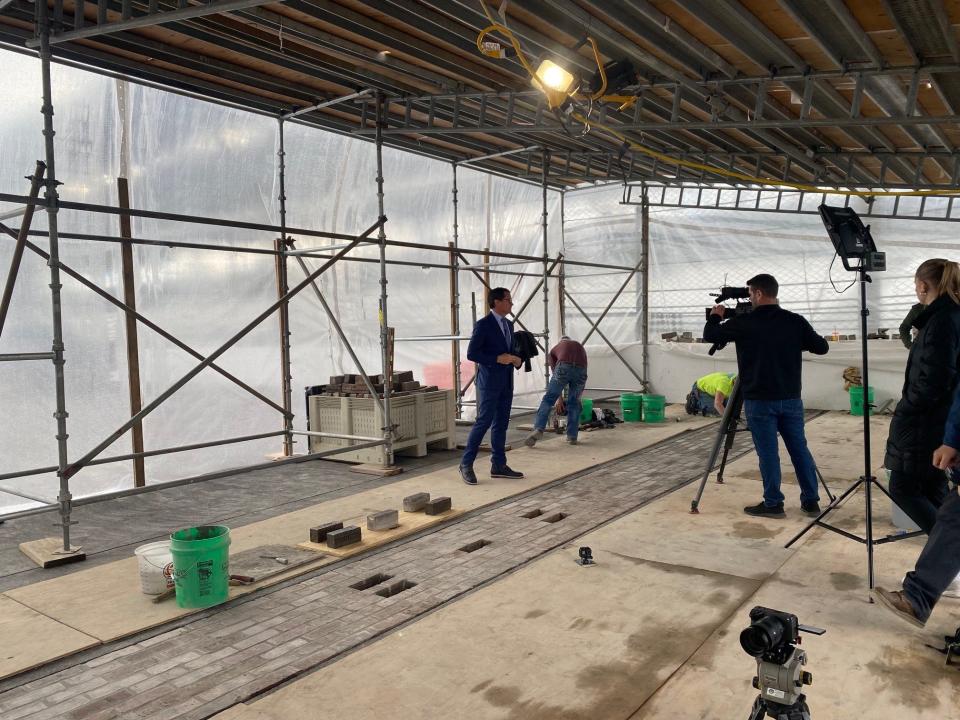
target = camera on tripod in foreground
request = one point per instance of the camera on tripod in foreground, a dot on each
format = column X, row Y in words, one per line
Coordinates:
column 772, row 639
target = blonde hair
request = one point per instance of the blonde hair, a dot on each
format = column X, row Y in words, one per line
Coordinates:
column 942, row 274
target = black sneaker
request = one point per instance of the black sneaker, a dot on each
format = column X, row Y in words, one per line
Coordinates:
column 764, row 510
column 468, row 475
column 504, row 471
column 811, row 508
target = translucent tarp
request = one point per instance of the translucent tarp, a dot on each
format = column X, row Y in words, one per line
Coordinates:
column 186, row 156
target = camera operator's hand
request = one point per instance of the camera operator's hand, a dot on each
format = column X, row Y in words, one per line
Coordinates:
column 718, row 310
column 946, row 457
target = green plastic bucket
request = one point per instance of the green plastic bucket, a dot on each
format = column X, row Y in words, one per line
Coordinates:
column 630, row 404
column 586, row 409
column 856, row 400
column 201, row 565
column 653, row 406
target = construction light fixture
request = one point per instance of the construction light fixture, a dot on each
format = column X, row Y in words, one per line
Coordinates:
column 555, row 81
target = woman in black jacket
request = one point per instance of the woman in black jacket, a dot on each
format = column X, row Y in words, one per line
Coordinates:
column 932, row 374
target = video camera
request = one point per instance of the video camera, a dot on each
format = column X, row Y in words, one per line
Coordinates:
column 728, row 292
column 731, row 293
column 772, row 639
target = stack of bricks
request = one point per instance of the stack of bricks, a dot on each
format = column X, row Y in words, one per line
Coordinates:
column 354, row 386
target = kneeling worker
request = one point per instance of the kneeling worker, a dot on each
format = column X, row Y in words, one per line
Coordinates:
column 709, row 394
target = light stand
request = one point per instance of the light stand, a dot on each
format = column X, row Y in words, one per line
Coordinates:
column 852, row 239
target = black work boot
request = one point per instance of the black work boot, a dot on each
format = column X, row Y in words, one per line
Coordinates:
column 764, row 510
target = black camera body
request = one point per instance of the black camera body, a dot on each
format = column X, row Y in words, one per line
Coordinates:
column 772, row 638
column 731, row 293
column 770, row 635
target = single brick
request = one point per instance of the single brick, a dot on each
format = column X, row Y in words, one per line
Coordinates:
column 438, row 505
column 416, row 502
column 345, row 536
column 402, row 376
column 383, row 520
column 319, row 534
column 411, row 385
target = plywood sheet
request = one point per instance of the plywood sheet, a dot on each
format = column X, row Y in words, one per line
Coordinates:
column 30, row 639
column 554, row 640
column 47, row 552
column 369, row 539
column 77, row 599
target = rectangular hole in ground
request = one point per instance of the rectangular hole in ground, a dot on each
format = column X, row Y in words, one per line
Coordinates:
column 395, row 589
column 532, row 513
column 556, row 517
column 371, row 581
column 471, row 547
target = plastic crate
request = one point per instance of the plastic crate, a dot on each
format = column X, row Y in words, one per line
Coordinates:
column 421, row 419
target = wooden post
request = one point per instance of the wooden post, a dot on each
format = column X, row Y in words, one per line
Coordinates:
column 133, row 347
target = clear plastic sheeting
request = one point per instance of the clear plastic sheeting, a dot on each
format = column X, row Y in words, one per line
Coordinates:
column 597, row 228
column 695, row 251
column 182, row 155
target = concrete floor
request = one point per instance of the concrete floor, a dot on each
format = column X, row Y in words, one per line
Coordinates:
column 652, row 631
column 519, row 630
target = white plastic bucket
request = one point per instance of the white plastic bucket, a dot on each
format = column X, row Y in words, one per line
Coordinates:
column 156, row 567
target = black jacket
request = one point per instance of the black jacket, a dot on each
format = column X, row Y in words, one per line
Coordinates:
column 770, row 342
column 933, row 370
column 525, row 347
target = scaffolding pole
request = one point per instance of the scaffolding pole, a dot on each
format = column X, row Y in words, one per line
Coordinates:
column 64, row 497
column 385, row 349
column 546, row 270
column 455, row 298
column 282, row 245
column 645, row 281
column 35, row 181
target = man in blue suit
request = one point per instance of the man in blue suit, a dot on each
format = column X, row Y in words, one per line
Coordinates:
column 491, row 347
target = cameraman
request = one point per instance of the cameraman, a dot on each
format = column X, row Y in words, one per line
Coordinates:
column 770, row 342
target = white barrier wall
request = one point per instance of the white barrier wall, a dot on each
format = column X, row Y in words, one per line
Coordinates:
column 674, row 367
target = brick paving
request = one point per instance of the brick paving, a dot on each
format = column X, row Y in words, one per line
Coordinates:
column 249, row 646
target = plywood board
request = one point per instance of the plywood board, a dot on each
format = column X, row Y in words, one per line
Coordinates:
column 369, row 539
column 30, row 639
column 260, row 562
column 554, row 640
column 48, row 552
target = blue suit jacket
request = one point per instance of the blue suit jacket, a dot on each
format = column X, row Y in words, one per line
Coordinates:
column 486, row 343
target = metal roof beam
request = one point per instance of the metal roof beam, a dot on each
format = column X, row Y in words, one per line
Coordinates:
column 796, row 123
column 212, row 7
column 946, row 27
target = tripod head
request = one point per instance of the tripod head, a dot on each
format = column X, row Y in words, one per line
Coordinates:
column 772, row 638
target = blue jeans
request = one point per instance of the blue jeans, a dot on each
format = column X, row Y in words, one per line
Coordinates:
column 574, row 379
column 766, row 418
column 705, row 402
column 493, row 413
column 939, row 561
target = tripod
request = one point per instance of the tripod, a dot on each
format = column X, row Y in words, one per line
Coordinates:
column 729, row 427
column 866, row 480
column 762, row 708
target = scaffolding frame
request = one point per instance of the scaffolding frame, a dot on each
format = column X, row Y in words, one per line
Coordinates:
column 284, row 247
